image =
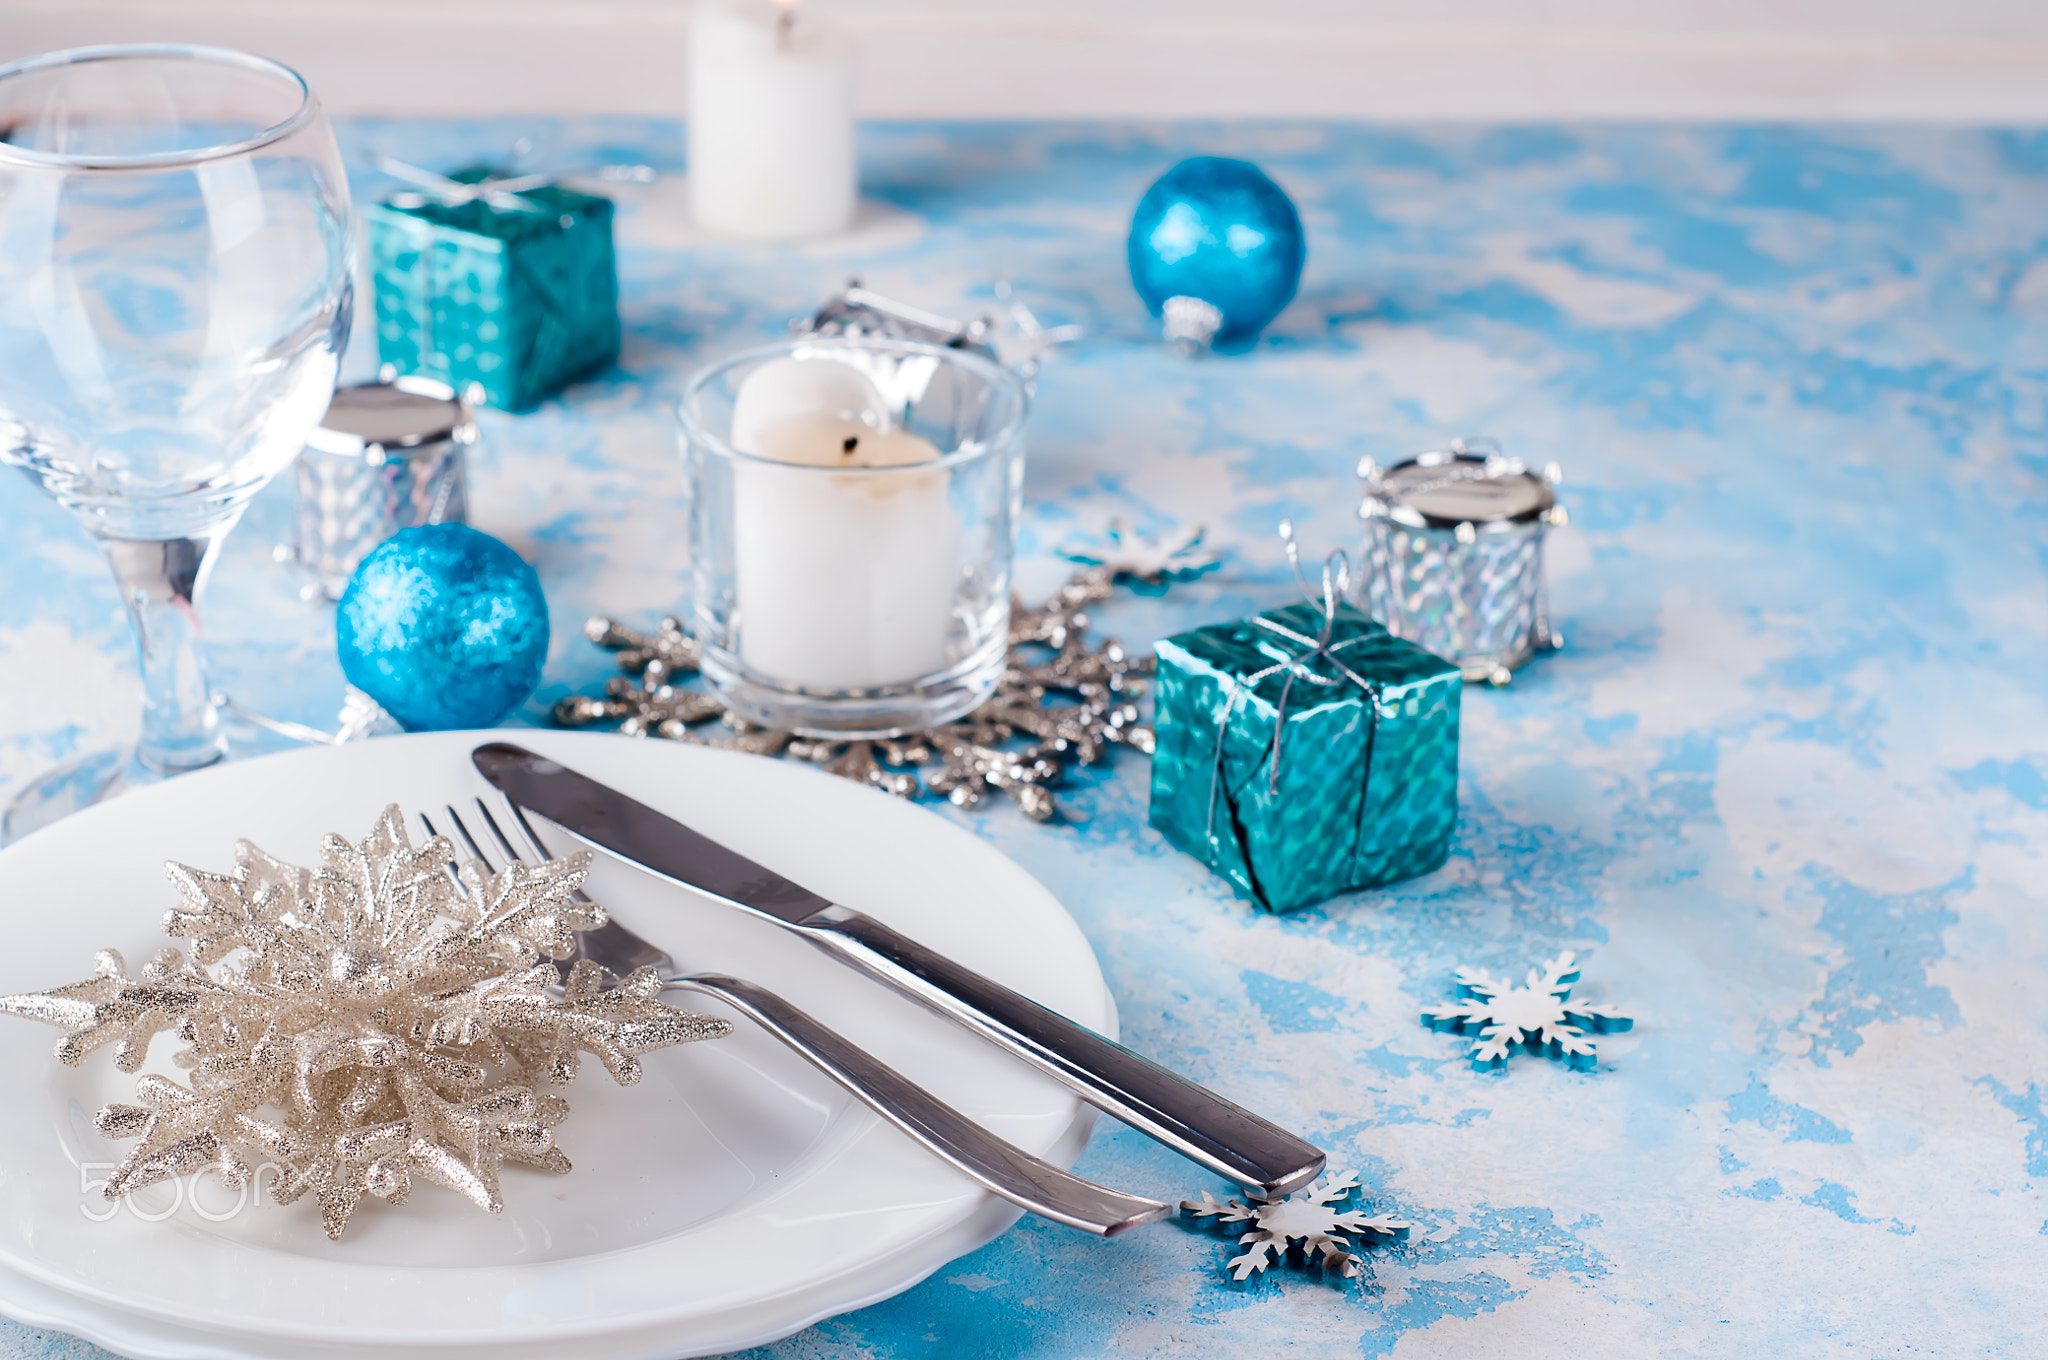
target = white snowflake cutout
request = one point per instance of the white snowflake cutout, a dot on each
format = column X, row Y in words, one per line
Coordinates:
column 1539, row 1015
column 1309, row 1217
column 1174, row 555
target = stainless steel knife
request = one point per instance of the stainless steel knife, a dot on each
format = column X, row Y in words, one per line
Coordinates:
column 1197, row 1123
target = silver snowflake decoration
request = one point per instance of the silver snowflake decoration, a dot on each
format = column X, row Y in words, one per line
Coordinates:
column 380, row 1020
column 1310, row 1219
column 1539, row 1015
column 1171, row 556
column 1061, row 702
column 645, row 701
column 1012, row 336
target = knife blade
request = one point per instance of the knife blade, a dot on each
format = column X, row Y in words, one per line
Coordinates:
column 1191, row 1120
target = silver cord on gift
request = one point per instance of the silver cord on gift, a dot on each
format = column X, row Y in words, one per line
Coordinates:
column 1336, row 584
column 1336, row 578
column 503, row 194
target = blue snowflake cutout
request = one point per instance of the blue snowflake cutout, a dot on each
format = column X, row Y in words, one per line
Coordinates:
column 1309, row 1217
column 1539, row 1016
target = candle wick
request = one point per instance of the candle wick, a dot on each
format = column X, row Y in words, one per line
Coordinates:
column 785, row 21
column 846, row 449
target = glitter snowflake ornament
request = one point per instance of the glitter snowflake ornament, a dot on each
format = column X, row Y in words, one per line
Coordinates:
column 1539, row 1015
column 1309, row 1221
column 374, row 1021
column 1061, row 702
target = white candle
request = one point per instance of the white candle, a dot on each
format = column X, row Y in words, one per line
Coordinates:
column 783, row 388
column 840, row 582
column 771, row 122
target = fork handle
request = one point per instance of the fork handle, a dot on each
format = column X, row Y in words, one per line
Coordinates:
column 1008, row 1170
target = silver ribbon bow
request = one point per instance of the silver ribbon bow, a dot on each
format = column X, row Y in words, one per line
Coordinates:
column 502, row 194
column 1336, row 582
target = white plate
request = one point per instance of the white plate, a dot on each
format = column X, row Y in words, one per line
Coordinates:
column 732, row 1197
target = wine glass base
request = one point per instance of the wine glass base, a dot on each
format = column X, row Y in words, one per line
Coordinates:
column 95, row 778
column 73, row 786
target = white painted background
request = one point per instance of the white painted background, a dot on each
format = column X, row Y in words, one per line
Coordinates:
column 1942, row 60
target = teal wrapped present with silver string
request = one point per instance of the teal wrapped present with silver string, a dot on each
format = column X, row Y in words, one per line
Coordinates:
column 1306, row 752
column 509, row 284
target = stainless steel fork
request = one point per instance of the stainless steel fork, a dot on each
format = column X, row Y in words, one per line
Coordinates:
column 1005, row 1169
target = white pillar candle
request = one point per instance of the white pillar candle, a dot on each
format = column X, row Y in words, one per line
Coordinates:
column 782, row 388
column 840, row 582
column 771, row 122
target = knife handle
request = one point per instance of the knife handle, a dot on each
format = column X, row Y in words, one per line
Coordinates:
column 1008, row 1170
column 1197, row 1123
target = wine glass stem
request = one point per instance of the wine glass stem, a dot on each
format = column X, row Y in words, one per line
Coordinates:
column 160, row 582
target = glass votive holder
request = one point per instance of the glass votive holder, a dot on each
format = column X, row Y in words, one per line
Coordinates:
column 853, row 513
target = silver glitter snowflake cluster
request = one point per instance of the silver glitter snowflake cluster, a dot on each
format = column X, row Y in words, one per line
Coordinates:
column 363, row 1024
column 1061, row 702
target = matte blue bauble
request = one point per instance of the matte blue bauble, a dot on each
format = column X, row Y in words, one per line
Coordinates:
column 1218, row 232
column 445, row 627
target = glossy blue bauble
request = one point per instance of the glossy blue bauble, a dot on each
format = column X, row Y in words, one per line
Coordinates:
column 445, row 627
column 1218, row 230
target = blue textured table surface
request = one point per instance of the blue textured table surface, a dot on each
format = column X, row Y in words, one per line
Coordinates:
column 1786, row 789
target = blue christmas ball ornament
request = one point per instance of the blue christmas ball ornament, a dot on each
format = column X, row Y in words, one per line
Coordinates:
column 1216, row 249
column 445, row 627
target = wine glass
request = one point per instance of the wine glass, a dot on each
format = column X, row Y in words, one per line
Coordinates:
column 175, row 288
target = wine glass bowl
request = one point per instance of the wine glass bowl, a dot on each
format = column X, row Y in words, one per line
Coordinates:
column 175, row 253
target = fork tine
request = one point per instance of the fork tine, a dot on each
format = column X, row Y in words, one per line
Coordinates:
column 613, row 946
column 511, row 851
column 562, row 966
column 526, row 830
column 476, row 851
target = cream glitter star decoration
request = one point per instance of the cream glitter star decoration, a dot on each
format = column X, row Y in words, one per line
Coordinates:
column 1539, row 1015
column 1309, row 1217
column 1060, row 702
column 361, row 1024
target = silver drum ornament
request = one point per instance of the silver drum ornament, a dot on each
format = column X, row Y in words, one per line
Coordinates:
column 1453, row 555
column 388, row 455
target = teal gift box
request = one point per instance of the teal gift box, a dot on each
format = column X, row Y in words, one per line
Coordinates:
column 517, row 293
column 1362, row 787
